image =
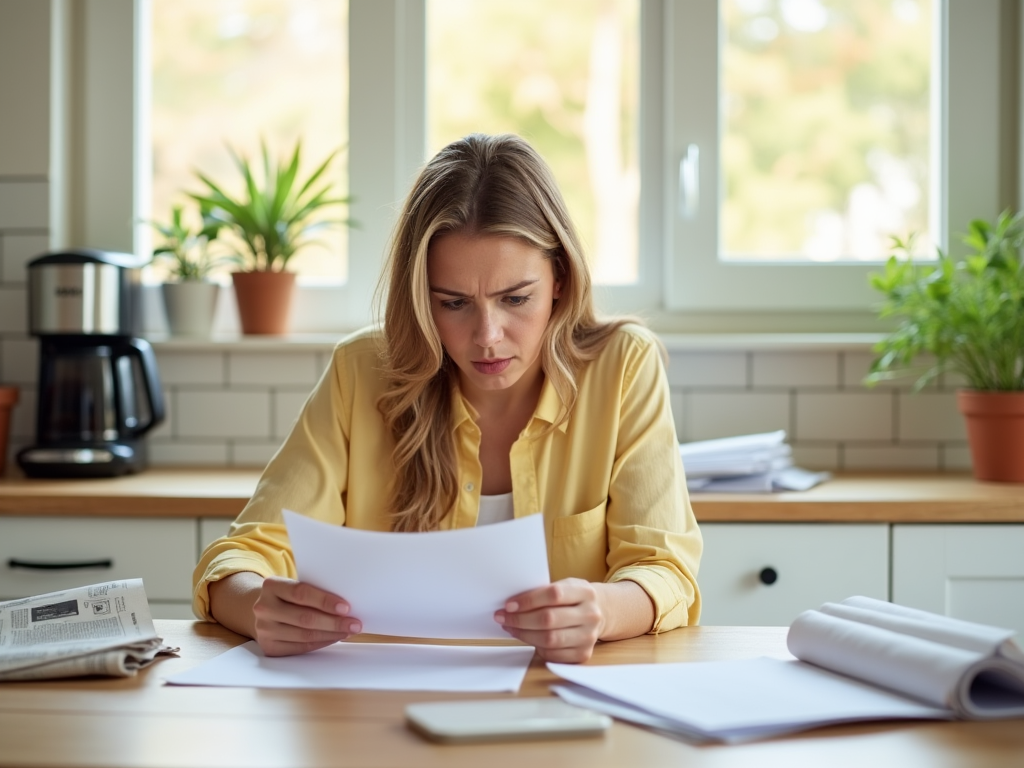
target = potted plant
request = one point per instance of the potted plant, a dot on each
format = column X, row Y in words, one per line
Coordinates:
column 968, row 315
column 190, row 298
column 269, row 221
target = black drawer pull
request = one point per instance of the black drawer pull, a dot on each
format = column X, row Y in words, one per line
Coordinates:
column 768, row 576
column 33, row 565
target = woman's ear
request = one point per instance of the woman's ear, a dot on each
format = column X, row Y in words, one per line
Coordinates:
column 557, row 289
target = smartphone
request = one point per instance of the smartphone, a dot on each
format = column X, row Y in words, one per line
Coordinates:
column 460, row 722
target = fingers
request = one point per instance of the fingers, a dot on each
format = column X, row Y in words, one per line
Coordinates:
column 562, row 620
column 292, row 617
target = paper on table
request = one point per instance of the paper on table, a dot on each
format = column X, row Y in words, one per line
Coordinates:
column 443, row 584
column 373, row 666
column 737, row 700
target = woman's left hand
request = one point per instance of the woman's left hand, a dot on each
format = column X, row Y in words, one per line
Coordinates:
column 563, row 620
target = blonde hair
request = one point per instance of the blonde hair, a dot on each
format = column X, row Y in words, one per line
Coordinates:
column 481, row 185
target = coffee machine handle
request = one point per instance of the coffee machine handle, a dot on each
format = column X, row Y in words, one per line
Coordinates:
column 151, row 384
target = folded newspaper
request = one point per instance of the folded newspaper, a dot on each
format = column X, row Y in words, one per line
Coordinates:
column 759, row 463
column 861, row 659
column 102, row 629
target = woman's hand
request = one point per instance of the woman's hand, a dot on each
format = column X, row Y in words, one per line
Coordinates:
column 563, row 620
column 291, row 617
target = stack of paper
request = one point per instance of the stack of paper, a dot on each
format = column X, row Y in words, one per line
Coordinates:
column 862, row 659
column 758, row 463
column 101, row 629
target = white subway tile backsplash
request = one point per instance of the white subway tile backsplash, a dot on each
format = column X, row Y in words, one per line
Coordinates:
column 13, row 310
column 24, row 204
column 816, row 456
column 245, row 454
column 844, row 416
column 857, row 365
column 222, row 414
column 286, row 409
column 19, row 361
column 930, row 416
column 887, row 456
column 707, row 369
column 186, row 454
column 191, row 367
column 795, row 369
column 272, row 369
column 18, row 250
column 956, row 456
column 723, row 414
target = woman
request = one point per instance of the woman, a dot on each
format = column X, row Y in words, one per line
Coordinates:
column 492, row 391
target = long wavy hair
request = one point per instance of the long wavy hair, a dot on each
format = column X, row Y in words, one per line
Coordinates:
column 478, row 185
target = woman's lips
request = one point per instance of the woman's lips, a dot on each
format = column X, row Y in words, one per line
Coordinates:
column 492, row 366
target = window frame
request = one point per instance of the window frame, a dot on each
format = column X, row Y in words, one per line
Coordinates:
column 682, row 286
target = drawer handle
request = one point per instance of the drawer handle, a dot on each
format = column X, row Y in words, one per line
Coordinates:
column 34, row 565
column 768, row 576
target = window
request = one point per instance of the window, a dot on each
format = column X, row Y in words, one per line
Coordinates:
column 236, row 73
column 681, row 280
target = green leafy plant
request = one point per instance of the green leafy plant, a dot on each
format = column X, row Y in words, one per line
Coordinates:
column 275, row 215
column 185, row 249
column 967, row 314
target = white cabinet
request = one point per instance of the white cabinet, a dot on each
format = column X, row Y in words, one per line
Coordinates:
column 811, row 564
column 45, row 554
column 211, row 529
column 972, row 572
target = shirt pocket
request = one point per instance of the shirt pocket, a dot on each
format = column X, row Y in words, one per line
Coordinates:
column 579, row 545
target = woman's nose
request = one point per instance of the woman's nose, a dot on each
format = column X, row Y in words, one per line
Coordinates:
column 488, row 331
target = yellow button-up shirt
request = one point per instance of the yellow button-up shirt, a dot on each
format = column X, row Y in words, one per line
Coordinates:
column 609, row 480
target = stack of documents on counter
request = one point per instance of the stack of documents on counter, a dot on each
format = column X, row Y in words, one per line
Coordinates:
column 439, row 584
column 102, row 629
column 862, row 659
column 758, row 463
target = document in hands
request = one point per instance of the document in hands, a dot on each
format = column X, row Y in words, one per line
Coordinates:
column 862, row 659
column 101, row 629
column 445, row 584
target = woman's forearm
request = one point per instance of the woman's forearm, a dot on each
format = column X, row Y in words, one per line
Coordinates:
column 231, row 601
column 627, row 610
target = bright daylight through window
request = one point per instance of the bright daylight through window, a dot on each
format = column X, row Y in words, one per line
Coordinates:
column 826, row 128
column 233, row 73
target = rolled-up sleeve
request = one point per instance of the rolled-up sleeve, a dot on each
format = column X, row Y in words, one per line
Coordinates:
column 653, row 537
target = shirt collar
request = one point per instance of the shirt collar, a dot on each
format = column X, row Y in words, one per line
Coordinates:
column 549, row 406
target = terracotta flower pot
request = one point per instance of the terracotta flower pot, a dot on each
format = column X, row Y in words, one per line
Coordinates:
column 995, row 431
column 264, row 301
column 8, row 399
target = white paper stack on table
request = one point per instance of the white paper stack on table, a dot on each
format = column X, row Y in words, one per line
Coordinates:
column 862, row 659
column 101, row 629
column 759, row 463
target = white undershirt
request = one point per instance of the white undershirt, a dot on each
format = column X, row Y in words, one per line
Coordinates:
column 495, row 509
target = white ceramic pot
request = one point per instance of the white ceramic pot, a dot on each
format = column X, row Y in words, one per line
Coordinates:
column 190, row 307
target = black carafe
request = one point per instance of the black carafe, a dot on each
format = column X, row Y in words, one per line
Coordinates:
column 99, row 389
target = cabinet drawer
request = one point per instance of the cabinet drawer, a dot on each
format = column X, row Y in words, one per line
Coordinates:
column 970, row 572
column 813, row 564
column 161, row 552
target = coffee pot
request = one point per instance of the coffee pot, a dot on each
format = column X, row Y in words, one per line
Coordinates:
column 99, row 390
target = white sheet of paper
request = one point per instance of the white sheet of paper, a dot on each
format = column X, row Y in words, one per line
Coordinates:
column 441, row 584
column 732, row 699
column 368, row 666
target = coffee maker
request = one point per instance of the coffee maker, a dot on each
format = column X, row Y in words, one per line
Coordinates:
column 99, row 391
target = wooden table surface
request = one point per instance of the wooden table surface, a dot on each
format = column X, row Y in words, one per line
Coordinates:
column 142, row 722
column 874, row 497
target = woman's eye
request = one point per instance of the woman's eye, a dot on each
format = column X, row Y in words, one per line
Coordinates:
column 517, row 301
column 454, row 304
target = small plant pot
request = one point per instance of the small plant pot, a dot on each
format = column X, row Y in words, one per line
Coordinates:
column 995, row 431
column 190, row 307
column 8, row 399
column 264, row 301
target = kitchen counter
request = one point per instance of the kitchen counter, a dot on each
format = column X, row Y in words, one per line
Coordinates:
column 876, row 497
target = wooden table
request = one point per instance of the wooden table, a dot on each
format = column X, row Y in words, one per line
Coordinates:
column 142, row 722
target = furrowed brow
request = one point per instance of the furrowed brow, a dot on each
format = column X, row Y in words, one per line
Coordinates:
column 518, row 286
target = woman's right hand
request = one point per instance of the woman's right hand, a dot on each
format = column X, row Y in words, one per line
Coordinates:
column 292, row 617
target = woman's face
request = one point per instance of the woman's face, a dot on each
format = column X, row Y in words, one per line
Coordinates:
column 491, row 299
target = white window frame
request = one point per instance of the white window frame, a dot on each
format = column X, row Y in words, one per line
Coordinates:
column 97, row 173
